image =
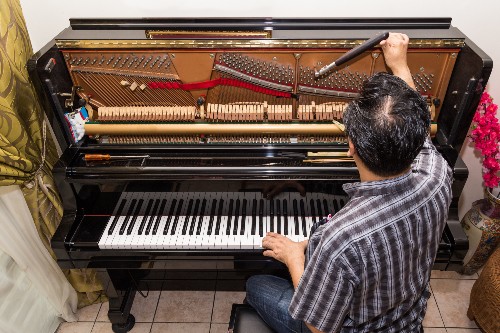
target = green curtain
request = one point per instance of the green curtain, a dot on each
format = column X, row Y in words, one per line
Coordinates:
column 27, row 151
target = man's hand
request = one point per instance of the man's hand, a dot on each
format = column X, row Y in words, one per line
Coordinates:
column 395, row 48
column 283, row 249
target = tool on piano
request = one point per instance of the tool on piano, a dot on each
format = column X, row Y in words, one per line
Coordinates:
column 107, row 157
column 353, row 53
column 327, row 154
column 329, row 160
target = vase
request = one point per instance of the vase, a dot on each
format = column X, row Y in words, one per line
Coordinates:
column 482, row 227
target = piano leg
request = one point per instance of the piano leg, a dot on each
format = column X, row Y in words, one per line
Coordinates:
column 120, row 302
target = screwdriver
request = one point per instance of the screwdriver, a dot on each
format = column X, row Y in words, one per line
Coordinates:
column 106, row 157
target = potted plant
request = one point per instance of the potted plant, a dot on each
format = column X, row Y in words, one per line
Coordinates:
column 482, row 222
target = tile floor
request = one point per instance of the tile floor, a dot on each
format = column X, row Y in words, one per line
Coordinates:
column 208, row 311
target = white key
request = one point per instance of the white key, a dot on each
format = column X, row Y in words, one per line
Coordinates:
column 221, row 239
column 167, row 240
column 182, row 241
column 246, row 240
column 204, row 241
column 103, row 242
column 211, row 236
column 179, row 215
column 158, row 218
column 109, row 239
column 155, row 242
column 134, row 238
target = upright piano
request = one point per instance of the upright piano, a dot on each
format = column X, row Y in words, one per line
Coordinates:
column 204, row 134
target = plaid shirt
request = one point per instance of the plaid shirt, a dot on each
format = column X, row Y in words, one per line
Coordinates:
column 368, row 267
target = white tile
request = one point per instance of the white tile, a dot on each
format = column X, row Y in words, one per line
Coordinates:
column 223, row 303
column 432, row 317
column 102, row 316
column 75, row 327
column 180, row 328
column 463, row 330
column 434, row 330
column 185, row 306
column 88, row 313
column 452, row 298
column 106, row 328
column 435, row 274
column 218, row 328
column 144, row 309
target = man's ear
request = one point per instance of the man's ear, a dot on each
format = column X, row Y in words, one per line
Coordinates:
column 352, row 151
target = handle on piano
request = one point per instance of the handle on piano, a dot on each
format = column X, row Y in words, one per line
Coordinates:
column 370, row 43
column 96, row 157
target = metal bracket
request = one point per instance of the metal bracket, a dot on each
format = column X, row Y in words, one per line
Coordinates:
column 68, row 102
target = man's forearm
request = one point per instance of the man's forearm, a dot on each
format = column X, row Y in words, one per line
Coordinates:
column 405, row 74
column 296, row 269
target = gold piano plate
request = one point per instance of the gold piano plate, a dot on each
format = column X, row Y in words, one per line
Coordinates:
column 240, row 43
column 166, row 34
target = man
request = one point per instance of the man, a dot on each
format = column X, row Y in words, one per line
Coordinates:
column 367, row 268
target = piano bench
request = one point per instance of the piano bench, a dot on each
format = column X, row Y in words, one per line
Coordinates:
column 244, row 319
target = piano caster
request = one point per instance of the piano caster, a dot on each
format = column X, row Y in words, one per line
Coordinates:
column 124, row 328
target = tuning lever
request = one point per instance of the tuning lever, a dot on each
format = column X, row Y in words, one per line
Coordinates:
column 353, row 53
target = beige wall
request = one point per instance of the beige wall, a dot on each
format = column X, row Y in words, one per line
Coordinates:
column 479, row 20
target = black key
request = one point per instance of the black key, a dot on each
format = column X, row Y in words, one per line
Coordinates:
column 170, row 216
column 296, row 216
column 176, row 218
column 117, row 216
column 313, row 211
column 155, row 213
column 335, row 206
column 147, row 217
column 326, row 208
column 134, row 218
column 219, row 217
column 320, row 211
column 236, row 223
column 243, row 216
column 202, row 215
column 254, row 216
column 157, row 218
column 271, row 215
column 278, row 221
column 129, row 216
column 212, row 216
column 303, row 217
column 188, row 217
column 229, row 217
column 194, row 217
column 285, row 215
column 261, row 216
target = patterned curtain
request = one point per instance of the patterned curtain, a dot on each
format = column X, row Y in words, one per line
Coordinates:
column 27, row 151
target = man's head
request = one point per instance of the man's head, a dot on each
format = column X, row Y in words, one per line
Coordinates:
column 387, row 125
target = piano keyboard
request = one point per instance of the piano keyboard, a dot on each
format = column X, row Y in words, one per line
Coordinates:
column 211, row 220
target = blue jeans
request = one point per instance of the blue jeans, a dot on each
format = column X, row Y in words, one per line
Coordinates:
column 270, row 296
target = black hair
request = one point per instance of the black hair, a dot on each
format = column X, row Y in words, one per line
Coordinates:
column 387, row 124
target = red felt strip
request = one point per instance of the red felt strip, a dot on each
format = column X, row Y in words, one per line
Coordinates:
column 216, row 82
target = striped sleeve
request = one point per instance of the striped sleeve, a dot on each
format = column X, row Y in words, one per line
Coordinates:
column 325, row 291
column 429, row 160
